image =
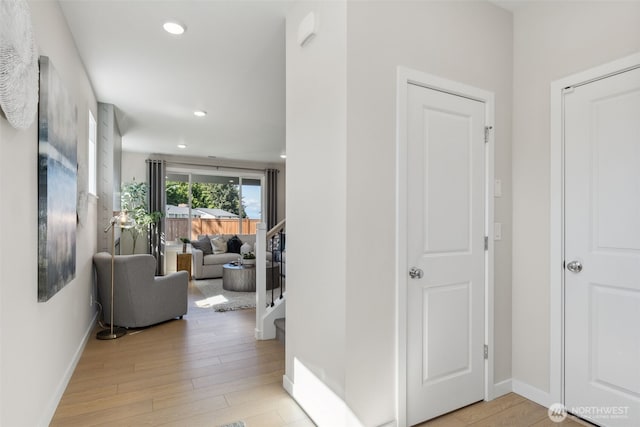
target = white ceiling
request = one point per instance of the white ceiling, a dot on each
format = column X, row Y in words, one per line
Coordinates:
column 230, row 62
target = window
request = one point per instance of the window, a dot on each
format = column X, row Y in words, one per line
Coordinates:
column 211, row 204
column 92, row 154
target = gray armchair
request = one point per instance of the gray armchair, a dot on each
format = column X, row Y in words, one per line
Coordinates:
column 140, row 299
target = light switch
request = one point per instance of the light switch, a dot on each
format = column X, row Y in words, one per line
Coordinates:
column 497, row 231
column 497, row 188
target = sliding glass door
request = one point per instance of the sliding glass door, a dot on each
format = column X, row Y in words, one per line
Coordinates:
column 211, row 204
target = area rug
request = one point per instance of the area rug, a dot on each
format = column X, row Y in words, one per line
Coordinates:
column 220, row 300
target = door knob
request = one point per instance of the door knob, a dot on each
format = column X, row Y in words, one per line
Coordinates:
column 574, row 266
column 416, row 273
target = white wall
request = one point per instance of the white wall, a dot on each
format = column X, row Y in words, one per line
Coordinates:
column 39, row 341
column 134, row 167
column 467, row 42
column 316, row 194
column 551, row 40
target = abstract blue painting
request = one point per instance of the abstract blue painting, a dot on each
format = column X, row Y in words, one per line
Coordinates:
column 57, row 183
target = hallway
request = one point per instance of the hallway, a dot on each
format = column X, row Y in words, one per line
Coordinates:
column 204, row 370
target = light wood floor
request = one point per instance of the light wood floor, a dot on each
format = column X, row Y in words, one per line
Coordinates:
column 208, row 370
column 204, row 370
column 510, row 410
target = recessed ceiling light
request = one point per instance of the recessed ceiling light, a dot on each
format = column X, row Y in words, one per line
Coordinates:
column 174, row 28
column 182, row 146
column 199, row 113
column 283, row 156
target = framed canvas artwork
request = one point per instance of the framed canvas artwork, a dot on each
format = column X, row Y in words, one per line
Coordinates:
column 57, row 183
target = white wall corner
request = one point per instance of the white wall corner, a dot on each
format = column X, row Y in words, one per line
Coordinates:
column 321, row 404
column 501, row 388
column 532, row 393
column 287, row 384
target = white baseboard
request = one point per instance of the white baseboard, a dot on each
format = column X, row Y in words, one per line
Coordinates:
column 287, row 384
column 50, row 410
column 502, row 388
column 532, row 393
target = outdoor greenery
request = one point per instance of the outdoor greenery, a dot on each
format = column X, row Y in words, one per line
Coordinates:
column 206, row 195
column 133, row 199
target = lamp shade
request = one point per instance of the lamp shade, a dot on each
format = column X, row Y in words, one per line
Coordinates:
column 124, row 220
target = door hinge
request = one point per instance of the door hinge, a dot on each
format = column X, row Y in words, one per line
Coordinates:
column 486, row 351
column 486, row 243
column 487, row 129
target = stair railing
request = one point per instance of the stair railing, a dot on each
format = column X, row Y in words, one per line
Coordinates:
column 270, row 278
column 277, row 272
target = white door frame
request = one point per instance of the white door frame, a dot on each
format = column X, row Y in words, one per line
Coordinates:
column 405, row 77
column 556, row 271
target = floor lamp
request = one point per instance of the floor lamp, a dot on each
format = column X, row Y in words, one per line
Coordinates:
column 121, row 220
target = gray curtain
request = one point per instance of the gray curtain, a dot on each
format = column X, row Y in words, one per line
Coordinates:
column 272, row 197
column 157, row 202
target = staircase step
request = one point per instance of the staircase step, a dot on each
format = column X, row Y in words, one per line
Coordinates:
column 280, row 329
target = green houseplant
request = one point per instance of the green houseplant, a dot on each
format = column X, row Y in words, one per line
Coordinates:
column 133, row 199
column 184, row 241
column 249, row 258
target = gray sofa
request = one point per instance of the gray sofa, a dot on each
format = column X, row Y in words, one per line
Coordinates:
column 209, row 266
column 140, row 299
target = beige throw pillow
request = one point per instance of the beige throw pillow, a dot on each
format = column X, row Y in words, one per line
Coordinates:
column 219, row 245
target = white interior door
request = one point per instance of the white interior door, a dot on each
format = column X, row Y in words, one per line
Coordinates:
column 446, row 228
column 602, row 234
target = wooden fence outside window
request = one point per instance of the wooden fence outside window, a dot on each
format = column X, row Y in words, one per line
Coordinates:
column 176, row 228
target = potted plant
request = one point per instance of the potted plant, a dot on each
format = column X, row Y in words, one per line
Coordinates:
column 184, row 241
column 248, row 258
column 133, row 199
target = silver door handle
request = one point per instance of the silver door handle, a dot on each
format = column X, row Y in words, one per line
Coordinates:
column 416, row 273
column 574, row 266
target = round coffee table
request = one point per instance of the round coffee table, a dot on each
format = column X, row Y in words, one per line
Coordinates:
column 242, row 278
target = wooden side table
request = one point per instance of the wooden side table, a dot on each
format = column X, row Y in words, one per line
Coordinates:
column 184, row 263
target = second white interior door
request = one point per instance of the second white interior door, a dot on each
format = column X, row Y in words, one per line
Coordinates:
column 602, row 248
